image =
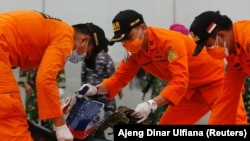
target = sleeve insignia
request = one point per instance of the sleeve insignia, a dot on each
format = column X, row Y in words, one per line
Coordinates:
column 172, row 55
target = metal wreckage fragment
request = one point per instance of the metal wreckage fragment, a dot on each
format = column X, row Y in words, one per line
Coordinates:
column 121, row 116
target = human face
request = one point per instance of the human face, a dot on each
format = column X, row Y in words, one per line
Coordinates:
column 211, row 41
column 217, row 51
column 75, row 57
column 223, row 36
column 133, row 43
column 85, row 43
column 81, row 48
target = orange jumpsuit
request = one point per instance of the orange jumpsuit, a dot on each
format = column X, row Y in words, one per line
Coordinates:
column 238, row 68
column 193, row 82
column 30, row 39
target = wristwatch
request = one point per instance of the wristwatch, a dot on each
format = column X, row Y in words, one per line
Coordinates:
column 152, row 105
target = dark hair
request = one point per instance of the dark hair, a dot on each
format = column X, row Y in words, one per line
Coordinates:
column 106, row 49
column 82, row 28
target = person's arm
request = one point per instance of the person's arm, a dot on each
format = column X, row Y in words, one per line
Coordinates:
column 23, row 81
column 49, row 106
column 230, row 96
column 125, row 72
column 59, row 121
column 48, row 97
column 178, row 65
column 102, row 89
column 177, row 86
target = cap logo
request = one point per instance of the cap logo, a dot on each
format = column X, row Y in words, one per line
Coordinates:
column 195, row 37
column 211, row 27
column 96, row 39
column 118, row 39
column 135, row 22
column 116, row 26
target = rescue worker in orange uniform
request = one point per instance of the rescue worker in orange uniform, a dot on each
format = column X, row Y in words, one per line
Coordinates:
column 31, row 39
column 193, row 83
column 224, row 39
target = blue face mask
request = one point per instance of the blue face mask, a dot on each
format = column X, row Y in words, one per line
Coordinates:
column 75, row 57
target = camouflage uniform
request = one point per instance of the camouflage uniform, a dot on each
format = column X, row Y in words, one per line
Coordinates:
column 29, row 76
column 104, row 68
column 246, row 97
column 149, row 81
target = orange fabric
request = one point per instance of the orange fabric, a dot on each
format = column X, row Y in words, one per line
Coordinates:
column 189, row 78
column 13, row 121
column 241, row 117
column 228, row 105
column 187, row 111
column 29, row 39
column 185, row 71
column 7, row 79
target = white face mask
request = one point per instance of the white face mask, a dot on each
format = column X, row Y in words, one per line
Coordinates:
column 217, row 51
column 75, row 57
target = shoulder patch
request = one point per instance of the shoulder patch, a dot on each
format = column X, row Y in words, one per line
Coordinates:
column 172, row 55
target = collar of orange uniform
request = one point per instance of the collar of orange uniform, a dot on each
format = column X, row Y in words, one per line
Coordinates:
column 151, row 42
column 236, row 42
column 238, row 48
